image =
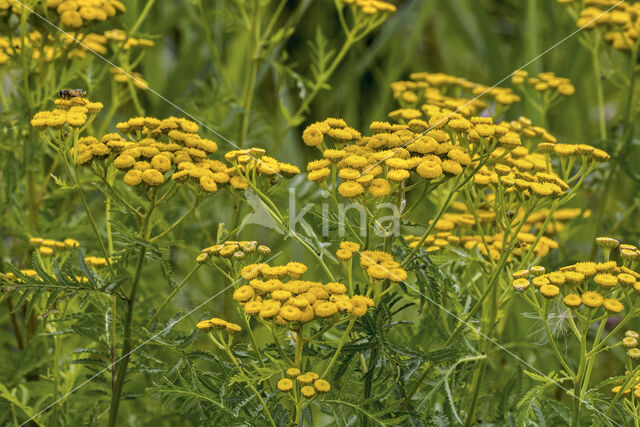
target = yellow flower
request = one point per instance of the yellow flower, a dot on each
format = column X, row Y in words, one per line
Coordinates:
column 606, row 280
column 318, row 174
column 607, row 242
column 349, row 174
column 312, row 136
column 152, row 177
column 429, row 169
column 296, row 269
column 243, row 293
column 557, row 278
column 321, row 386
column 633, row 353
column 350, row 189
column 592, row 299
column 218, row 323
column 520, row 274
column 574, row 277
column 549, row 291
column 204, row 326
column 239, row 183
column 612, row 305
column 326, row 309
column 285, row 385
column 289, row 312
column 378, row 272
column 397, row 274
column 520, row 285
column 359, row 308
column 586, row 268
column 269, row 308
column 208, row 184
column 253, row 307
column 398, row 174
column 626, row 279
column 451, row 167
column 343, row 254
column 335, row 288
column 45, row 251
column 630, row 342
column 132, row 178
column 308, row 391
column 632, row 334
column 124, row 161
column 293, row 372
column 572, row 300
column 233, row 328
column 305, row 378
column 350, row 246
column 71, row 19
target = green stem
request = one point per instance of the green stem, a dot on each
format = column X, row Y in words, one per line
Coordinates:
column 299, row 344
column 128, row 322
column 248, row 381
column 595, row 55
column 174, row 225
column 339, row 348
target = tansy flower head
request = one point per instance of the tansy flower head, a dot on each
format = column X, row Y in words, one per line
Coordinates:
column 613, row 306
column 606, row 280
column 285, row 385
column 572, row 300
column 549, row 291
column 520, row 285
column 321, row 386
column 592, row 299
column 308, row 391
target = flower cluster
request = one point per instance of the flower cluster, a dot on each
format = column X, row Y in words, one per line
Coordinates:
column 430, row 89
column 544, row 82
column 489, row 245
column 233, row 250
column 592, row 284
column 157, row 150
column 76, row 13
column 380, row 163
column 381, row 266
column 218, row 324
column 276, row 293
column 47, row 247
column 122, row 77
column 249, row 166
column 74, row 112
column 630, row 342
column 460, row 230
column 347, row 250
column 299, row 300
column 309, row 383
column 632, row 382
column 371, row 7
column 619, row 20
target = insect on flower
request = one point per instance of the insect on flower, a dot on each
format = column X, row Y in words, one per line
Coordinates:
column 71, row 93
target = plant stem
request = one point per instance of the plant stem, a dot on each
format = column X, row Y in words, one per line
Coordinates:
column 248, row 381
column 339, row 348
column 299, row 343
column 595, row 55
column 126, row 349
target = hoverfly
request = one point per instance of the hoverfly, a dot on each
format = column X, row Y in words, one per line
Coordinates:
column 71, row 93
